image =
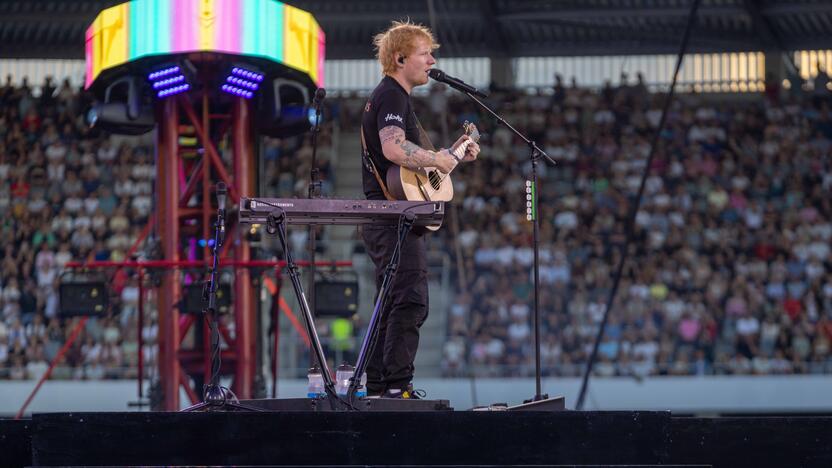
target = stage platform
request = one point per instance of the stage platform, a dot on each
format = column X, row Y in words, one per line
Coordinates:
column 414, row 438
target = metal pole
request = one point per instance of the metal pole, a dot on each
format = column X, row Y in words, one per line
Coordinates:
column 201, row 325
column 244, row 310
column 167, row 203
column 276, row 324
column 140, row 338
column 536, row 223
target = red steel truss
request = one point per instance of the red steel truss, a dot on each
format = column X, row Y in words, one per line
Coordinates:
column 178, row 219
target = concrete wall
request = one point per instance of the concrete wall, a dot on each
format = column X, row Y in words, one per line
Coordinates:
column 679, row 394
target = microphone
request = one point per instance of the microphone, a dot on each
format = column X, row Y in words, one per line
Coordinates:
column 317, row 102
column 320, row 94
column 222, row 191
column 455, row 83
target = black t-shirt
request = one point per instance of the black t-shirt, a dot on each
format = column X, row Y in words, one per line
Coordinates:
column 389, row 104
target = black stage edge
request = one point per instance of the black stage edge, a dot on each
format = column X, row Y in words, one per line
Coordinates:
column 436, row 438
column 351, row 438
column 801, row 441
column 15, row 442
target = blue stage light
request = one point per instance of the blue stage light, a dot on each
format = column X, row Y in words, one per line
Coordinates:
column 168, row 81
column 234, row 90
column 247, row 74
column 175, row 90
column 163, row 72
column 242, row 82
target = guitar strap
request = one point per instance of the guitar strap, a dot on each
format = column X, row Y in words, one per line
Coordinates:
column 423, row 135
column 368, row 162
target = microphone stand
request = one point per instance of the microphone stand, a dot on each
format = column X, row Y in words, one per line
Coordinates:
column 532, row 213
column 314, row 191
column 215, row 396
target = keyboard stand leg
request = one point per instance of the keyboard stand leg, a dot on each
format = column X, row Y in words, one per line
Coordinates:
column 276, row 222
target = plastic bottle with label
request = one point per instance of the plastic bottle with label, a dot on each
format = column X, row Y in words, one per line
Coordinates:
column 315, row 386
column 362, row 390
column 342, row 378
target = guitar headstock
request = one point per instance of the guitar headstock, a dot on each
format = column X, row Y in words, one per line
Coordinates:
column 471, row 130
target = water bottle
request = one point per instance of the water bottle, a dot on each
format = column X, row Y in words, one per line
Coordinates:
column 362, row 390
column 315, row 387
column 342, row 378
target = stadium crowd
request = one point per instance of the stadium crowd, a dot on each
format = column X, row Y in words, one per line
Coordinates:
column 73, row 193
column 67, row 193
column 729, row 271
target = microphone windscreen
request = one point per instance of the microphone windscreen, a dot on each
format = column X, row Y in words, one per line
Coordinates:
column 320, row 94
column 222, row 191
column 436, row 73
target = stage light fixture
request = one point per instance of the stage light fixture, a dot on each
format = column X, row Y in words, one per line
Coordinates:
column 168, row 80
column 242, row 82
column 237, row 91
column 285, row 108
column 163, row 73
column 123, row 110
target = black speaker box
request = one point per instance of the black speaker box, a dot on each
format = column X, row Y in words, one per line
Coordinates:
column 336, row 298
column 83, row 298
column 192, row 302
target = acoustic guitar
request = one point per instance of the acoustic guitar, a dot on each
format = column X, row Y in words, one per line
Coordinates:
column 428, row 183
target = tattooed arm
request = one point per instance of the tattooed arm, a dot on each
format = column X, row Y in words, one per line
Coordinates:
column 408, row 154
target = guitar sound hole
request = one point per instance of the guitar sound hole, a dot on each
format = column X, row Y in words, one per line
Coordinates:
column 435, row 180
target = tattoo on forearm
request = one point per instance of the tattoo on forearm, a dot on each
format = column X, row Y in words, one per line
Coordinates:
column 409, row 148
column 414, row 155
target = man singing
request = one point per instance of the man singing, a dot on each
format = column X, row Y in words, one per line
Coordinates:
column 391, row 135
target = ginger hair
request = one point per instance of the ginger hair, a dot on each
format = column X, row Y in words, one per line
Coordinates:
column 400, row 39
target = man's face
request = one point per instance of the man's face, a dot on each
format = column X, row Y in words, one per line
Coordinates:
column 417, row 64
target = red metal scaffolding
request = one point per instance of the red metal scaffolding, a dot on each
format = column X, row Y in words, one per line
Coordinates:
column 178, row 183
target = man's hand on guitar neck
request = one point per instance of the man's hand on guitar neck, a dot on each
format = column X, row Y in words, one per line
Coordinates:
column 471, row 151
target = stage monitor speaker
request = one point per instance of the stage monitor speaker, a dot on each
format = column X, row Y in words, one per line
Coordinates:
column 557, row 403
column 83, row 298
column 336, row 298
column 192, row 302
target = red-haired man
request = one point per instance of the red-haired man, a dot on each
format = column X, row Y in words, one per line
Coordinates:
column 392, row 135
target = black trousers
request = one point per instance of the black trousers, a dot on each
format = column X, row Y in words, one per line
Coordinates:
column 391, row 362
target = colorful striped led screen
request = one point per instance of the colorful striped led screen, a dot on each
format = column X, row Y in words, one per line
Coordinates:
column 262, row 28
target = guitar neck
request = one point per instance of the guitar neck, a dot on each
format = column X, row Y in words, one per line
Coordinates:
column 459, row 151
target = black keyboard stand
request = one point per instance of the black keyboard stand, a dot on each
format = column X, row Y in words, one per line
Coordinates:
column 276, row 223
